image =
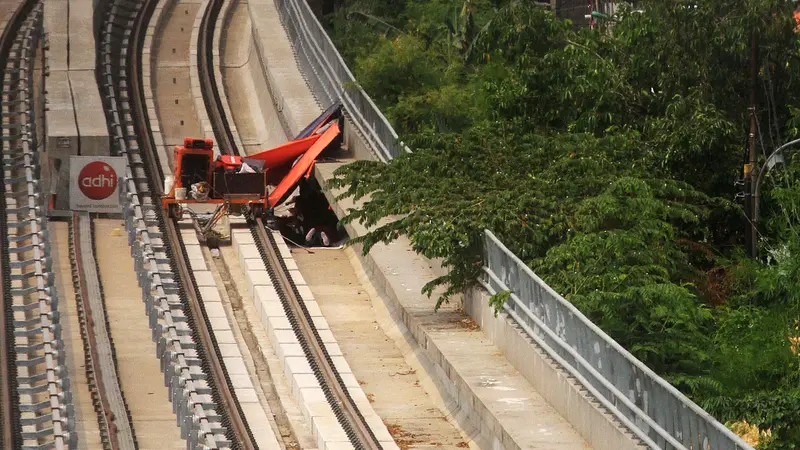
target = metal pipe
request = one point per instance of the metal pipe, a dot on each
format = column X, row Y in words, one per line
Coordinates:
column 752, row 232
column 764, row 169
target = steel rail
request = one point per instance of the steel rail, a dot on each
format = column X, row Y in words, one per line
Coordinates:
column 192, row 392
column 342, row 403
column 226, row 393
column 224, row 390
column 11, row 436
column 338, row 397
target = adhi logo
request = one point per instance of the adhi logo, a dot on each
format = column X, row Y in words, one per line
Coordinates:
column 97, row 180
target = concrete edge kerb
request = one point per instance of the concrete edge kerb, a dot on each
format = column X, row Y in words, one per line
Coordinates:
column 194, row 75
column 305, row 388
column 223, row 19
column 153, row 28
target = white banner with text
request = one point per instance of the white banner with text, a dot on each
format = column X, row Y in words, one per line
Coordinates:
column 94, row 183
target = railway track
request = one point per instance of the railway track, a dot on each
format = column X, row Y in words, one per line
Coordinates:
column 35, row 397
column 344, row 407
column 202, row 394
column 113, row 417
column 206, row 403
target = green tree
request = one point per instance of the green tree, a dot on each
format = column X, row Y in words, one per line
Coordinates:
column 606, row 161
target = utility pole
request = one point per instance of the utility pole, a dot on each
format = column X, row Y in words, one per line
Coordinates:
column 751, row 234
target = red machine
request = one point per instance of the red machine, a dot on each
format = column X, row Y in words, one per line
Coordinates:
column 239, row 185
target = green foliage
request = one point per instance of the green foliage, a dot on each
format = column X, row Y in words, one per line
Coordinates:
column 498, row 300
column 606, row 161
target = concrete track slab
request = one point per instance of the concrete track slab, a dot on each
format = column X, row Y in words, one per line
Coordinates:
column 58, row 33
column 277, row 388
column 61, row 114
column 89, row 113
column 75, row 119
column 175, row 105
column 82, row 49
column 172, row 43
column 140, row 374
column 240, row 367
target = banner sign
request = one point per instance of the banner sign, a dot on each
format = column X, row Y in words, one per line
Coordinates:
column 94, row 183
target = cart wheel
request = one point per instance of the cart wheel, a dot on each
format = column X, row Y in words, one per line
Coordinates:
column 174, row 211
column 257, row 210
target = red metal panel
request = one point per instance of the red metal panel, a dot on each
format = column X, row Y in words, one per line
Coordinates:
column 303, row 166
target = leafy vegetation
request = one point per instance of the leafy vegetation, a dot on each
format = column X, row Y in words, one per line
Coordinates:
column 606, row 160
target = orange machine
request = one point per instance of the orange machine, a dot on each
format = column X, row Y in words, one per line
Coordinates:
column 239, row 185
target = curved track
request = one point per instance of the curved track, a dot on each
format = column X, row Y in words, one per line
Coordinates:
column 35, row 387
column 202, row 327
column 343, row 405
column 171, row 291
column 9, row 407
column 205, row 401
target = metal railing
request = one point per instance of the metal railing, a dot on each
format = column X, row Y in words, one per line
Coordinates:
column 651, row 408
column 330, row 78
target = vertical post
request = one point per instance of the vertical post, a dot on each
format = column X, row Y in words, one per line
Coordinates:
column 751, row 237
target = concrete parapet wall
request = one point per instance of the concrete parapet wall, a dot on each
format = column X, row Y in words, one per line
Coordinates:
column 269, row 129
column 290, row 93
